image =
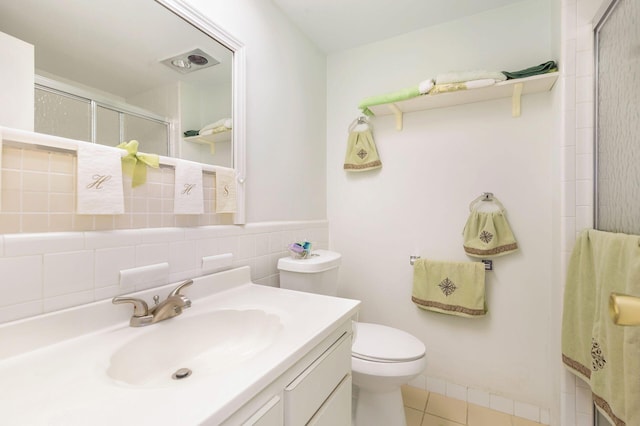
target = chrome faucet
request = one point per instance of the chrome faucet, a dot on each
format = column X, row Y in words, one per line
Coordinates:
column 172, row 306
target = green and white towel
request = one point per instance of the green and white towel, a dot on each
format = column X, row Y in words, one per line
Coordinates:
column 455, row 288
column 605, row 355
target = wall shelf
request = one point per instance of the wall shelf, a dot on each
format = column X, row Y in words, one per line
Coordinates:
column 505, row 89
column 210, row 139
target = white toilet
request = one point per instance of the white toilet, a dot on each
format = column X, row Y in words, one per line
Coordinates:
column 382, row 358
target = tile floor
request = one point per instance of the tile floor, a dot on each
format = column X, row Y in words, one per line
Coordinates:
column 424, row 408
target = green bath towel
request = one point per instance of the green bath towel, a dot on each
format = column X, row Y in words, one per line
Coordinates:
column 455, row 288
column 400, row 95
column 549, row 66
column 605, row 355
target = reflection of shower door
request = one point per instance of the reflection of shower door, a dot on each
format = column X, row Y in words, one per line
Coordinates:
column 617, row 195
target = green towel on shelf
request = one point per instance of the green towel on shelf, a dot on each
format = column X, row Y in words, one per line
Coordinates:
column 455, row 288
column 605, row 355
column 400, row 95
column 550, row 66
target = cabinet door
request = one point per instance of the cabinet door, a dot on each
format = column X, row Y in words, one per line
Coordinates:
column 336, row 411
column 269, row 415
column 307, row 392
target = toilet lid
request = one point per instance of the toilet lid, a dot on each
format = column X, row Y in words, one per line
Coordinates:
column 375, row 342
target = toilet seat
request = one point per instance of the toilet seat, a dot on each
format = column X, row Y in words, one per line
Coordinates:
column 379, row 343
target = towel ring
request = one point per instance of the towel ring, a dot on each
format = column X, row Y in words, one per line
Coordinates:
column 486, row 196
column 358, row 121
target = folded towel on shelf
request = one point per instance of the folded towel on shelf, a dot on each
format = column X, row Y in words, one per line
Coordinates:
column 99, row 180
column 221, row 125
column 547, row 67
column 188, row 191
column 226, row 199
column 361, row 153
column 460, row 77
column 425, row 86
column 455, row 288
column 400, row 95
column 454, row 87
column 603, row 354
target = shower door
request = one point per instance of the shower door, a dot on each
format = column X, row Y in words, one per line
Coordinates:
column 618, row 119
column 617, row 122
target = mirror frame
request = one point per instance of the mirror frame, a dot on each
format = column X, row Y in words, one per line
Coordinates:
column 194, row 17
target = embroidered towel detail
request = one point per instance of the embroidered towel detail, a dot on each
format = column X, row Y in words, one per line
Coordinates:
column 226, row 190
column 603, row 354
column 188, row 194
column 99, row 180
column 488, row 234
column 455, row 288
column 361, row 152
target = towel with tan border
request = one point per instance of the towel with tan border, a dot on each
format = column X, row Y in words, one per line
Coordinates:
column 455, row 288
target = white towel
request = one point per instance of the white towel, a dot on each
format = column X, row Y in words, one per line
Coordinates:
column 99, row 180
column 459, row 77
column 189, row 194
column 425, row 86
column 223, row 122
column 225, row 190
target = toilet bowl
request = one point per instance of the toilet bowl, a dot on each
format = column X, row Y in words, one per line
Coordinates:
column 382, row 358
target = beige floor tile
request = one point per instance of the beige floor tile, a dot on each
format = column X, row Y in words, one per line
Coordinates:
column 431, row 420
column 414, row 417
column 447, row 408
column 481, row 416
column 414, row 397
column 519, row 421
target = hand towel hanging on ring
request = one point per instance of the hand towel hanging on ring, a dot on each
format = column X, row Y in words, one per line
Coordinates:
column 361, row 149
column 488, row 234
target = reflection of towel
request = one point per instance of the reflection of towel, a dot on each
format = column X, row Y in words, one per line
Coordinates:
column 455, row 288
column 225, row 190
column 605, row 355
column 221, row 125
column 99, row 180
column 454, row 87
column 460, row 77
column 189, row 194
column 488, row 234
column 549, row 66
column 361, row 152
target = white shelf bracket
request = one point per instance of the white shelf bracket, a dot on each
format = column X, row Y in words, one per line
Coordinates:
column 396, row 111
column 516, row 100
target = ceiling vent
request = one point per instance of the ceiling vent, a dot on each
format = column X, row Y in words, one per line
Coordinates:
column 191, row 61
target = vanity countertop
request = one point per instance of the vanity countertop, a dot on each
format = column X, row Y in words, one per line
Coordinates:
column 54, row 366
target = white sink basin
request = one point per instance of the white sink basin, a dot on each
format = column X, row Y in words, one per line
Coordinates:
column 204, row 344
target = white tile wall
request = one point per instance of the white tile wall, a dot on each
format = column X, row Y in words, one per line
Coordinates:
column 577, row 67
column 49, row 271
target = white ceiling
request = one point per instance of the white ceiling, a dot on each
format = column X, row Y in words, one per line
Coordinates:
column 343, row 24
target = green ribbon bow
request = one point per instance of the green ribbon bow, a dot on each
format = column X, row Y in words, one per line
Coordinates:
column 135, row 163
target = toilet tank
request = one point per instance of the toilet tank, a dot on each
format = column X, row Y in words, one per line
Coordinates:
column 317, row 273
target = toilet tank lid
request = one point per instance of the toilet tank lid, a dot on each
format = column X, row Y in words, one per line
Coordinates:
column 382, row 343
column 317, row 261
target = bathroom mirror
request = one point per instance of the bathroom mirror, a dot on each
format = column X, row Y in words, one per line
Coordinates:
column 109, row 71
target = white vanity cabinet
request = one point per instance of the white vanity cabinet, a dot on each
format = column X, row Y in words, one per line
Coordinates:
column 316, row 390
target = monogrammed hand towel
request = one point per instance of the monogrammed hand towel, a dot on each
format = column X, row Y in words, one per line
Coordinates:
column 189, row 194
column 99, row 180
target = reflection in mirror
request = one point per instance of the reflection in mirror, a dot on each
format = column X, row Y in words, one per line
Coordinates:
column 109, row 71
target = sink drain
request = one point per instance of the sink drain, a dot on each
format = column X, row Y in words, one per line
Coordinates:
column 180, row 374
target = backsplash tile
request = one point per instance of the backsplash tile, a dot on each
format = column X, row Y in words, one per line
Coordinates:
column 44, row 272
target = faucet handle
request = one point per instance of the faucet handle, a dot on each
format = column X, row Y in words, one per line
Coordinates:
column 177, row 290
column 140, row 307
